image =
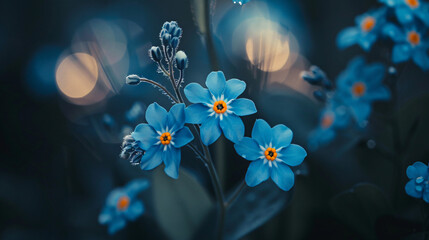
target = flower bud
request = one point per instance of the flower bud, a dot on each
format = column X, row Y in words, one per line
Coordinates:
column 177, row 32
column 319, row 95
column 181, row 60
column 175, row 42
column 132, row 80
column 166, row 38
column 155, row 53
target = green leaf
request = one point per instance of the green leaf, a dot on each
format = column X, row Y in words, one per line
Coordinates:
column 179, row 205
column 360, row 207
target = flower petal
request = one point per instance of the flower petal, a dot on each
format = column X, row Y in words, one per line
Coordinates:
column 116, row 225
column 348, row 37
column 152, row 158
column 156, row 116
column 418, row 169
column 105, row 216
column 242, row 107
column 392, row 31
column 261, row 132
column 375, row 73
column 292, row 155
column 172, row 162
column 182, row 137
column 421, row 58
column 232, row 127
column 423, row 13
column 257, row 173
column 248, row 149
column 282, row 136
column 176, row 117
column 410, row 189
column 367, row 41
column 380, row 93
column 134, row 210
column 233, row 89
column 216, row 83
column 361, row 111
column 146, row 136
column 197, row 94
column 283, row 176
column 210, row 130
column 401, row 52
column 197, row 113
column 404, row 14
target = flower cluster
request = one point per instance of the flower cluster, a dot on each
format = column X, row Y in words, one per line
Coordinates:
column 407, row 29
column 122, row 205
column 418, row 186
column 131, row 150
column 357, row 88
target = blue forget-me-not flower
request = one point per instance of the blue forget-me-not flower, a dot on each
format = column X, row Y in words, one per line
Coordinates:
column 217, row 108
column 122, row 206
column 407, row 10
column 361, row 84
column 411, row 42
column 271, row 153
column 418, row 186
column 162, row 137
column 365, row 33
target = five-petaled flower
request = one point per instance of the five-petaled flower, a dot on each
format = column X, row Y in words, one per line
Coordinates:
column 270, row 152
column 122, row 205
column 365, row 33
column 410, row 43
column 163, row 137
column 418, row 186
column 361, row 84
column 407, row 10
column 217, row 109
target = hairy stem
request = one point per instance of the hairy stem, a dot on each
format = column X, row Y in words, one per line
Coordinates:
column 160, row 87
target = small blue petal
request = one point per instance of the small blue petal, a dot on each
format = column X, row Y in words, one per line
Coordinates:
column 417, row 169
column 292, row 155
column 393, row 32
column 232, row 127
column 248, row 149
column 182, row 137
column 423, row 13
column 176, row 117
column 242, row 107
column 282, row 136
column 410, row 189
column 197, row 113
column 426, row 195
column 210, row 130
column 348, row 37
column 172, row 162
column 152, row 158
column 283, row 176
column 375, row 73
column 234, row 88
column 361, row 111
column 116, row 225
column 404, row 14
column 261, row 132
column 401, row 53
column 216, row 83
column 380, row 93
column 197, row 94
column 367, row 41
column 156, row 116
column 105, row 216
column 421, row 58
column 136, row 186
column 145, row 135
column 134, row 210
column 257, row 173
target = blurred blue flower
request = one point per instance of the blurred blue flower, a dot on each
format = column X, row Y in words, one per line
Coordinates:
column 270, row 151
column 365, row 33
column 418, row 186
column 217, row 109
column 163, row 137
column 241, row 2
column 334, row 117
column 361, row 84
column 122, row 206
column 411, row 42
column 407, row 10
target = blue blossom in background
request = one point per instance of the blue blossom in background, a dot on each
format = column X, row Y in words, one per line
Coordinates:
column 365, row 33
column 162, row 137
column 361, row 84
column 418, row 186
column 334, row 117
column 122, row 206
column 407, row 10
column 241, row 2
column 271, row 153
column 217, row 108
column 411, row 42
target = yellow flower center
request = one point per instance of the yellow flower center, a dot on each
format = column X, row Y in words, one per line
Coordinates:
column 358, row 89
column 219, row 107
column 270, row 154
column 123, row 203
column 165, row 138
column 414, row 38
column 413, row 3
column 368, row 24
column 327, row 120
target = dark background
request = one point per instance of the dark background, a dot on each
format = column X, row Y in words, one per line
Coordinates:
column 56, row 168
